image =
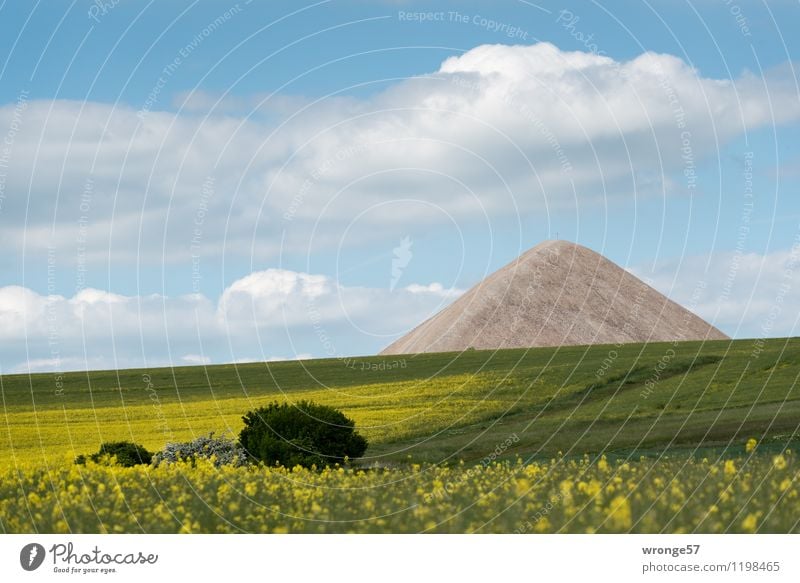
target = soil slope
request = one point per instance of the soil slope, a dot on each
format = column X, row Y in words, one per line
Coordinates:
column 558, row 293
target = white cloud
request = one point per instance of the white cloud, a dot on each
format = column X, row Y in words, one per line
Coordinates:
column 278, row 298
column 434, row 288
column 745, row 294
column 196, row 359
column 263, row 313
column 498, row 130
column 270, row 297
column 289, row 358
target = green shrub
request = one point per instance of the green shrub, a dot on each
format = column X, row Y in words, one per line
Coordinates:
column 125, row 453
column 302, row 434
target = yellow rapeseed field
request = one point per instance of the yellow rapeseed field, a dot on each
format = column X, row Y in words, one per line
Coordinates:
column 388, row 411
column 757, row 492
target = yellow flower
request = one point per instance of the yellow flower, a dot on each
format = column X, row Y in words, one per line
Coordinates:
column 593, row 488
column 543, row 525
column 620, row 513
column 779, row 462
column 750, row 445
column 750, row 524
column 730, row 468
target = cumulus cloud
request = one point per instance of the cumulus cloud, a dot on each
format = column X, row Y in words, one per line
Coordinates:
column 434, row 288
column 495, row 131
column 284, row 359
column 196, row 359
column 256, row 318
column 745, row 294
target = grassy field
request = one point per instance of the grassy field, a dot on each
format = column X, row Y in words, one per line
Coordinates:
column 435, row 407
column 646, row 438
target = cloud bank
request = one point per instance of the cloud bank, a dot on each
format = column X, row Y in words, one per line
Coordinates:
column 257, row 318
column 745, row 294
column 495, row 131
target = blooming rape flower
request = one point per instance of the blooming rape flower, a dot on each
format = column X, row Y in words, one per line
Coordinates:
column 567, row 496
column 750, row 523
column 620, row 516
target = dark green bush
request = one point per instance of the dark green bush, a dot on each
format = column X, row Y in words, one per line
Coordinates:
column 302, row 433
column 127, row 454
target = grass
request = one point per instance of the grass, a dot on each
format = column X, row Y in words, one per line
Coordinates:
column 435, row 407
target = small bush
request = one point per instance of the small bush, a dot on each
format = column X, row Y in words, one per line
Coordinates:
column 124, row 453
column 302, row 434
column 224, row 451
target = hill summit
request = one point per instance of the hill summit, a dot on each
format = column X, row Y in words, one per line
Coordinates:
column 558, row 293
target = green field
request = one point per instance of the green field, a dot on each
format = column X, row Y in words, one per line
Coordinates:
column 639, row 438
column 435, row 407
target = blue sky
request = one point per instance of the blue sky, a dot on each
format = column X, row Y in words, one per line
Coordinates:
column 215, row 181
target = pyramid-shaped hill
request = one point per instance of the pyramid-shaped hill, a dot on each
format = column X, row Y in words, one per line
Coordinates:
column 558, row 293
